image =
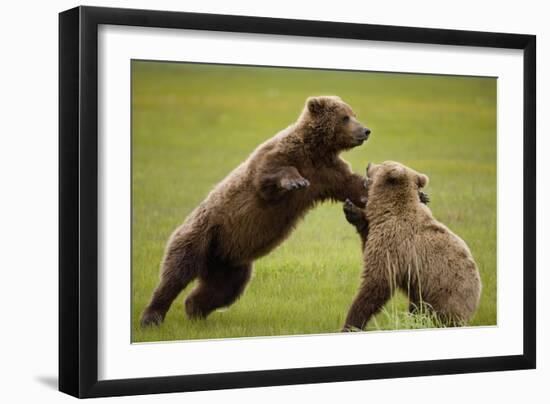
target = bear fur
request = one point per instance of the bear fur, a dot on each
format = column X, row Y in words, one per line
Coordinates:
column 405, row 247
column 256, row 207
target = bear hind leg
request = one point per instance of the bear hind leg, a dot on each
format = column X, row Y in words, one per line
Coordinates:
column 218, row 288
column 177, row 273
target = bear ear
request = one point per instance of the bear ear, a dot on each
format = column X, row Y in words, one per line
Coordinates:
column 395, row 175
column 422, row 180
column 368, row 171
column 315, row 105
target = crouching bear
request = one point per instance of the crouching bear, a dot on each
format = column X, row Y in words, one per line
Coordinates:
column 405, row 247
column 256, row 207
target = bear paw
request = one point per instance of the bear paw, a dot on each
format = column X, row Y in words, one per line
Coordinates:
column 424, row 197
column 151, row 318
column 353, row 214
column 194, row 310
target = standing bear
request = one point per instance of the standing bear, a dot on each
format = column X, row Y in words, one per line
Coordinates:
column 405, row 247
column 256, row 207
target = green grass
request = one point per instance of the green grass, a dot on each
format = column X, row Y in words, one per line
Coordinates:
column 192, row 124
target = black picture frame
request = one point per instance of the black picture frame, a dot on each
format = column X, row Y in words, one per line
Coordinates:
column 78, row 200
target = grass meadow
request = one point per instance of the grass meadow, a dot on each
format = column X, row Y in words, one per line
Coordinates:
column 192, row 124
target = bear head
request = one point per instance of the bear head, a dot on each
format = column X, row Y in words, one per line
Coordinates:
column 332, row 124
column 392, row 182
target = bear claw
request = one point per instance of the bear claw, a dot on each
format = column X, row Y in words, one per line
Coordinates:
column 424, row 197
column 295, row 184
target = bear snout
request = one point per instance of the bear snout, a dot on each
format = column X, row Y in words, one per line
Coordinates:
column 362, row 135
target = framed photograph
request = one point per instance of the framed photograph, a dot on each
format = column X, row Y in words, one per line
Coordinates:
column 251, row 201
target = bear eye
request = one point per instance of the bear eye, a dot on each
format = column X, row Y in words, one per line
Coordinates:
column 346, row 119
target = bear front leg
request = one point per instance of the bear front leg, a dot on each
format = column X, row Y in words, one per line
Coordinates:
column 356, row 217
column 353, row 188
column 276, row 182
column 343, row 184
column 375, row 291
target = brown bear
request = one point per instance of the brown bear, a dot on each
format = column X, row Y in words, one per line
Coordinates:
column 256, row 207
column 405, row 247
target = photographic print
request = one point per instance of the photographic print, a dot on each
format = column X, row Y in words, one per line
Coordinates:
column 299, row 201
column 254, row 213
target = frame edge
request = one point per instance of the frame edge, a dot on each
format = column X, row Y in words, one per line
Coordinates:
column 69, row 81
column 529, row 202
